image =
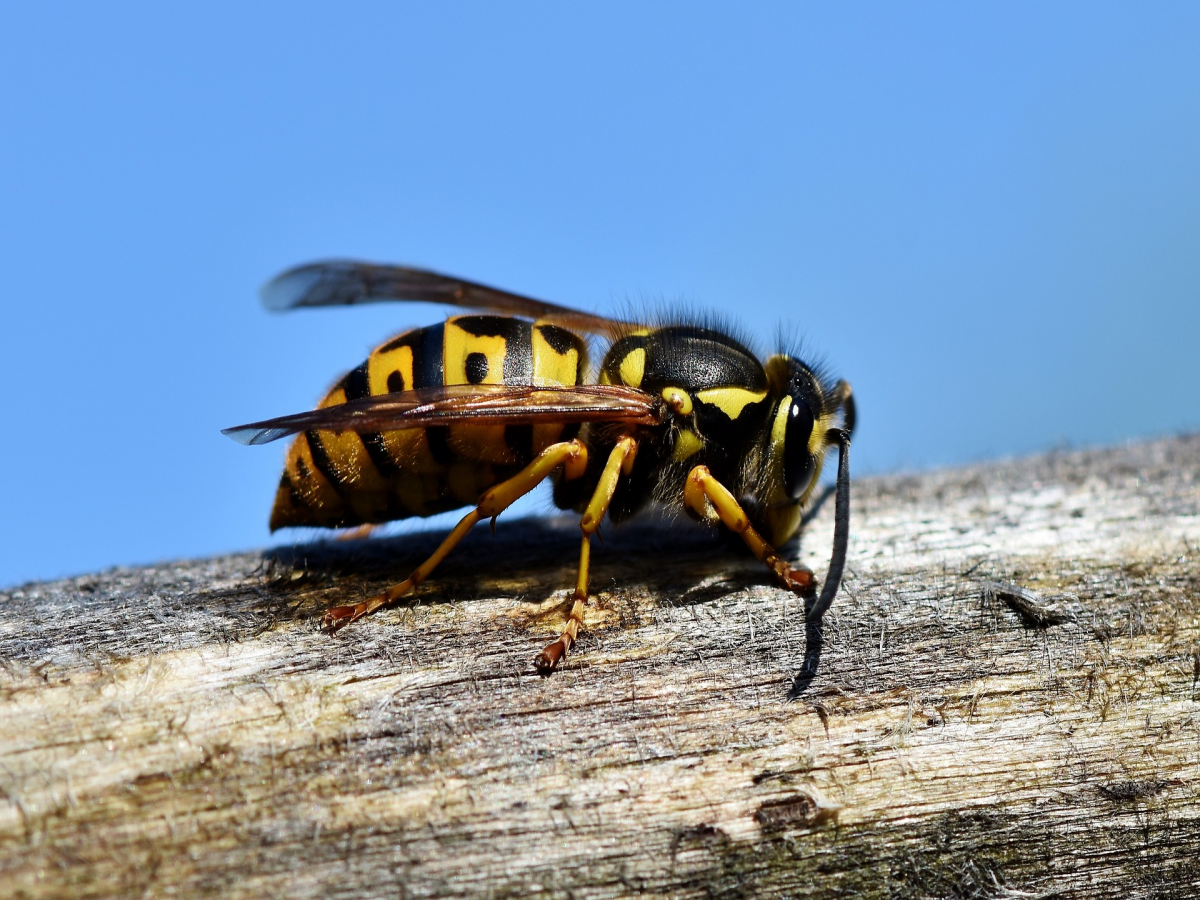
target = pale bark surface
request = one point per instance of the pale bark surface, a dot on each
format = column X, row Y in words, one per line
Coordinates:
column 184, row 729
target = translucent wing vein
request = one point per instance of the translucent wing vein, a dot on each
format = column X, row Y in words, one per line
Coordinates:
column 482, row 404
column 348, row 282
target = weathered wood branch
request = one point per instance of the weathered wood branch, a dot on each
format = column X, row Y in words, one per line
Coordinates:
column 1005, row 702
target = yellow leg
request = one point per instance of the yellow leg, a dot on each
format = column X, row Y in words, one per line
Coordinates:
column 704, row 494
column 620, row 462
column 571, row 455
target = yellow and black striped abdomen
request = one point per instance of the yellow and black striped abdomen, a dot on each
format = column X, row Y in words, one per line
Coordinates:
column 338, row 480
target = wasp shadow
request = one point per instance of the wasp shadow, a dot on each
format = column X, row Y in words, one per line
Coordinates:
column 673, row 561
column 814, row 642
column 307, row 578
column 532, row 558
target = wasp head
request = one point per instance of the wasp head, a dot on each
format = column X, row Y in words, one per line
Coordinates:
column 808, row 410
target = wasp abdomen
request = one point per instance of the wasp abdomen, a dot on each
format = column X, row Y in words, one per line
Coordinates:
column 334, row 479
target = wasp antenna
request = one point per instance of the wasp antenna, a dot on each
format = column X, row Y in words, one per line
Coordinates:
column 841, row 526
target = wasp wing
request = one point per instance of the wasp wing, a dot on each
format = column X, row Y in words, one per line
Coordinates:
column 476, row 403
column 347, row 282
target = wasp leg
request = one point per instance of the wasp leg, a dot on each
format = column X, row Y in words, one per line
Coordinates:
column 620, row 462
column 572, row 455
column 358, row 533
column 704, row 494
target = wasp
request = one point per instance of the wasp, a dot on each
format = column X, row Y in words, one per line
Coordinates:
column 479, row 410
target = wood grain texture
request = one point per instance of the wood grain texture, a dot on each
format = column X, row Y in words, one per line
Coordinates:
column 183, row 729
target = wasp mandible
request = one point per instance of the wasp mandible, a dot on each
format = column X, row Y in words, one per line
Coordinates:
column 480, row 409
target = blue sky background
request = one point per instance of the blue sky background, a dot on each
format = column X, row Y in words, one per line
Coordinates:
column 987, row 218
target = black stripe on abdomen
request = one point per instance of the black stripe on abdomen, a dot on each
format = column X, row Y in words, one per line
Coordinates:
column 428, row 371
column 357, row 385
column 519, row 439
column 324, row 464
column 297, row 499
column 427, row 356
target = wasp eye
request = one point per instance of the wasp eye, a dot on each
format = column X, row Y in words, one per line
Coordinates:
column 798, row 463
